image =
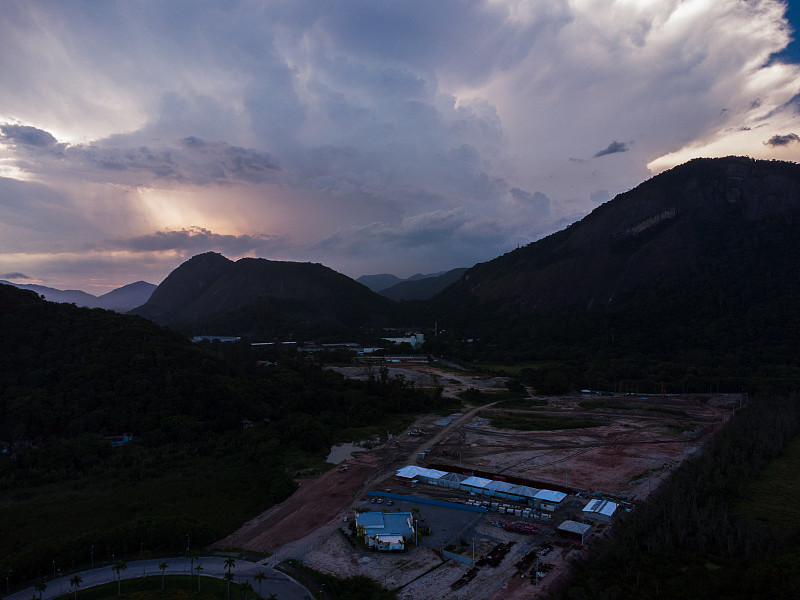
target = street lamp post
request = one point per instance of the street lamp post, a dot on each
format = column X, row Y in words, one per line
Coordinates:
column 8, row 588
column 93, row 556
column 54, row 569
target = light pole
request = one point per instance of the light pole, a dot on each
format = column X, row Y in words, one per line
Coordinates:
column 8, row 589
column 93, row 556
column 54, row 569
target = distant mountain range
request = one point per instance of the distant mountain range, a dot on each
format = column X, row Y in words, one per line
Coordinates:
column 121, row 299
column 689, row 244
column 416, row 287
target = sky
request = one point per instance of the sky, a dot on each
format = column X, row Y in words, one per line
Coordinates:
column 372, row 136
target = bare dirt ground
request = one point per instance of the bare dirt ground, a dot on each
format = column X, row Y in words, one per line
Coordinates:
column 642, row 439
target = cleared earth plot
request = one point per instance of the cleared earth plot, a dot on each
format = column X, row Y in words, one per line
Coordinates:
column 615, row 447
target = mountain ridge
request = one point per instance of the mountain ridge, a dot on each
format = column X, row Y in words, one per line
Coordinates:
column 121, row 299
column 643, row 236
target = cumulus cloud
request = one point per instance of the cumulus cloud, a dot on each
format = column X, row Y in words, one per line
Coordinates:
column 782, row 140
column 537, row 201
column 612, row 148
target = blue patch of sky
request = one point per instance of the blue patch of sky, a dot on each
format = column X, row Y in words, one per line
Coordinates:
column 792, row 51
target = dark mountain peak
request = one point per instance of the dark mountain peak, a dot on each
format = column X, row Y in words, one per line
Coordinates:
column 184, row 285
column 257, row 296
column 665, row 226
column 424, row 287
column 379, row 282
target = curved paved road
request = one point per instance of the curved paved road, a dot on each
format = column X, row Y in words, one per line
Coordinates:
column 280, row 584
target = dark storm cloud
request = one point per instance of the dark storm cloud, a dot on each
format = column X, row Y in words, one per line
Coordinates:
column 613, row 148
column 14, row 276
column 25, row 134
column 198, row 239
column 537, row 201
column 189, row 160
column 782, row 140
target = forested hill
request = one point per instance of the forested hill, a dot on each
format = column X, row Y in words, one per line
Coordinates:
column 70, row 377
column 263, row 298
column 690, row 279
column 678, row 222
column 69, row 370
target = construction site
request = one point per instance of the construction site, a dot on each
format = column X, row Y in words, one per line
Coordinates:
column 507, row 494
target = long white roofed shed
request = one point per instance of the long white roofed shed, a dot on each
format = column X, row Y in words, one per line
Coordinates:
column 411, row 472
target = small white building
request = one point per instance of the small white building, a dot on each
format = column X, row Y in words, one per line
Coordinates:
column 549, row 500
column 600, row 510
column 415, row 340
column 573, row 529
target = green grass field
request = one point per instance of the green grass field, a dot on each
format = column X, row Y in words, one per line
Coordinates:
column 772, row 498
column 176, row 587
column 206, row 497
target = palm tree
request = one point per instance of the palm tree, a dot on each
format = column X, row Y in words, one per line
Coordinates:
column 198, row 568
column 228, row 577
column 163, row 566
column 119, row 566
column 40, row 587
column 272, row 596
column 76, row 581
column 230, row 562
column 259, row 577
column 246, row 587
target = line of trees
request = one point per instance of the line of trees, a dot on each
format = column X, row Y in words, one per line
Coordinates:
column 689, row 540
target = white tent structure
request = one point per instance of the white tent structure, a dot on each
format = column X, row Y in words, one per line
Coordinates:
column 451, row 480
column 523, row 493
column 476, row 485
column 499, row 489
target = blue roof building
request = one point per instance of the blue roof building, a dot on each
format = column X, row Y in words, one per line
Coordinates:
column 386, row 531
